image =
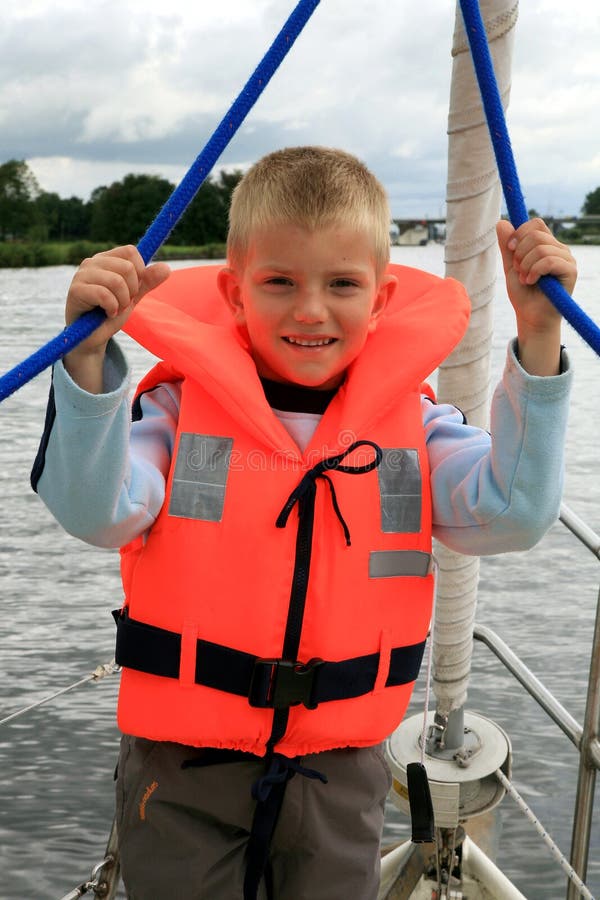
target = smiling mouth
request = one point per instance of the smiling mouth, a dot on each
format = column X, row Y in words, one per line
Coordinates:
column 310, row 342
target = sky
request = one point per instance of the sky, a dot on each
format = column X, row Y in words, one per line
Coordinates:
column 93, row 89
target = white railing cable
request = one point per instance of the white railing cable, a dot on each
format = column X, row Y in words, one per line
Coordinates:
column 550, row 844
column 429, row 666
column 99, row 672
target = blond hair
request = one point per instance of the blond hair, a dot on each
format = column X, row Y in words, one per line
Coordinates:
column 313, row 187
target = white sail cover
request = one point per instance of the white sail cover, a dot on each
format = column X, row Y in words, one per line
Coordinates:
column 473, row 208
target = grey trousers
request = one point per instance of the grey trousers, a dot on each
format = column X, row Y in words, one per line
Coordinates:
column 183, row 832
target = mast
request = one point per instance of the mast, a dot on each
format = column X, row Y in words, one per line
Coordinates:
column 473, row 208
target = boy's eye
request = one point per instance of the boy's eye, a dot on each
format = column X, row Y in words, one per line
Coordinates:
column 279, row 280
column 344, row 283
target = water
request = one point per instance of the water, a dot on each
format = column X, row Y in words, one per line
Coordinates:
column 56, row 764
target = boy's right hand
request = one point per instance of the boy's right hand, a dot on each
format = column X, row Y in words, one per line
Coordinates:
column 116, row 281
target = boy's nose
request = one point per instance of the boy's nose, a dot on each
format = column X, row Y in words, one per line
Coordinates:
column 310, row 307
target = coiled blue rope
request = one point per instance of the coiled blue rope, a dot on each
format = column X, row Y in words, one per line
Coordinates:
column 177, row 203
column 515, row 203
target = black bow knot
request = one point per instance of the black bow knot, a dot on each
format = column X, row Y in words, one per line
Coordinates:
column 308, row 485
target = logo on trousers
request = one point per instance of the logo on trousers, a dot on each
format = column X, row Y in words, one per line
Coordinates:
column 147, row 794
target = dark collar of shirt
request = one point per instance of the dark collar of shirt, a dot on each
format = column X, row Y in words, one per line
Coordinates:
column 296, row 397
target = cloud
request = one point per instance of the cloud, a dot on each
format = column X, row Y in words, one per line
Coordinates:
column 108, row 87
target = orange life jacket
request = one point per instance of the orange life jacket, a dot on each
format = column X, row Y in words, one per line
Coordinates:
column 226, row 601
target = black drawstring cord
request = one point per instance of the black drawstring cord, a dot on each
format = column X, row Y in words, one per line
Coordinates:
column 282, row 768
column 269, row 792
column 308, row 483
column 337, row 509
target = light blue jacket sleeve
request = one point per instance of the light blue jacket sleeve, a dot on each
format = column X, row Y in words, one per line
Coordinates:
column 500, row 491
column 103, row 478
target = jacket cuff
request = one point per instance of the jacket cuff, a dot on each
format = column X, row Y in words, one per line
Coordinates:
column 550, row 386
column 116, row 379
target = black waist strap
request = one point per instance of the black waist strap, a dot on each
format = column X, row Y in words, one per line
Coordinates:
column 268, row 683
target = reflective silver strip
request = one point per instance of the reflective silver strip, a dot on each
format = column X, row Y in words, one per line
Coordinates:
column 200, row 477
column 400, row 490
column 393, row 563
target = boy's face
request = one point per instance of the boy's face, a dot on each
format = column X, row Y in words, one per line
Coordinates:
column 308, row 301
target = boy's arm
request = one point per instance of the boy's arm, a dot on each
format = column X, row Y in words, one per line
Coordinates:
column 83, row 470
column 102, row 483
column 500, row 492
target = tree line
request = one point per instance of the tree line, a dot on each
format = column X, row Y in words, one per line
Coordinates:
column 114, row 214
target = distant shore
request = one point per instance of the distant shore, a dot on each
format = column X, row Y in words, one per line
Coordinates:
column 26, row 254
column 30, row 254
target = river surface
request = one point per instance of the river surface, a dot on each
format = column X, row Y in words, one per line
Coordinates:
column 56, row 763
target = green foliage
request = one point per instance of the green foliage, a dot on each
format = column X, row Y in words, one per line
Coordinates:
column 121, row 211
column 17, row 255
column 591, row 206
column 117, row 214
column 179, row 251
column 57, row 219
column 206, row 219
column 18, row 191
column 36, row 215
column 80, row 250
column 26, row 254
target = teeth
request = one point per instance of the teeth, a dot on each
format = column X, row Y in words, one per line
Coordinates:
column 319, row 343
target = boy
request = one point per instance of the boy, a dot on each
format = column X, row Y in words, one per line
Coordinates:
column 273, row 625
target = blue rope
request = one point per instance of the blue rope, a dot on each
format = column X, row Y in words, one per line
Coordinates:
column 177, row 203
column 515, row 203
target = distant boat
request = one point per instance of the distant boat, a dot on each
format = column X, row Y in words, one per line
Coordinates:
column 415, row 236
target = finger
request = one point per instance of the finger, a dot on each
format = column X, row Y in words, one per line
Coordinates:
column 546, row 262
column 128, row 253
column 531, row 228
column 534, row 233
column 537, row 252
column 84, row 297
column 545, row 243
column 152, row 277
column 125, row 261
column 538, row 246
column 116, row 289
column 505, row 233
column 541, row 245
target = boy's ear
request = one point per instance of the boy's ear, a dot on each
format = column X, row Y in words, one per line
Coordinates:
column 387, row 286
column 229, row 287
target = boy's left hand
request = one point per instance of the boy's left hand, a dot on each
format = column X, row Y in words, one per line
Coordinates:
column 529, row 252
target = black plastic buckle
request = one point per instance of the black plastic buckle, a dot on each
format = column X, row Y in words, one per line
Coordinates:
column 279, row 683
